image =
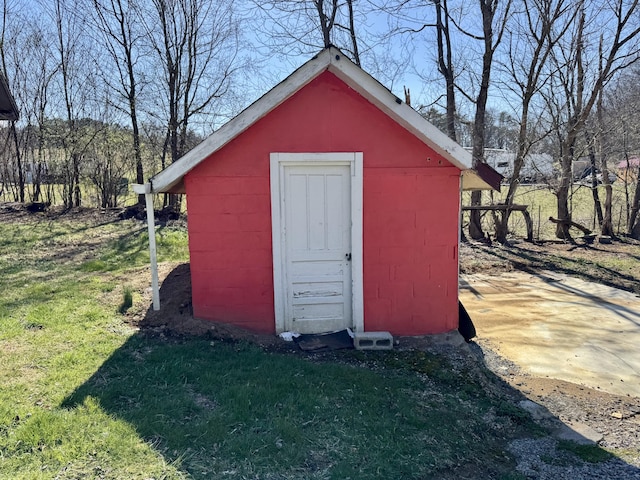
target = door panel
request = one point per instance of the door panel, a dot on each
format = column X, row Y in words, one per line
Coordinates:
column 317, row 232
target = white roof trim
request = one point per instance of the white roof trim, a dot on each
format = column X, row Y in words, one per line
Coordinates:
column 402, row 113
column 336, row 62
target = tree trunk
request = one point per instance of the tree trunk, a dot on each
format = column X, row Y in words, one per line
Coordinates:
column 174, row 203
column 138, row 154
column 326, row 21
column 606, row 226
column 475, row 219
column 488, row 9
column 445, row 64
column 18, row 162
column 502, row 225
column 597, row 205
column 634, row 217
column 562, row 196
column 77, row 194
column 607, row 220
column 37, row 182
column 352, row 34
column 635, row 231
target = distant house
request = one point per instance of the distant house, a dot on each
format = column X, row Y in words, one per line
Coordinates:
column 583, row 171
column 537, row 168
column 326, row 204
column 628, row 170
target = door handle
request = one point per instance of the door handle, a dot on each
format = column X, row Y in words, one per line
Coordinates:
column 348, row 255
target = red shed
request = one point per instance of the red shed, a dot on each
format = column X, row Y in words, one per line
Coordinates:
column 326, row 204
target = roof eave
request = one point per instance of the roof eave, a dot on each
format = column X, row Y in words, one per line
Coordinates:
column 8, row 107
column 400, row 112
column 169, row 178
column 332, row 59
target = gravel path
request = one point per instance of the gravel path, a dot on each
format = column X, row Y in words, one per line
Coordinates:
column 541, row 459
column 613, row 420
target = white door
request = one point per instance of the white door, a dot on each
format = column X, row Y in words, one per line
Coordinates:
column 316, row 217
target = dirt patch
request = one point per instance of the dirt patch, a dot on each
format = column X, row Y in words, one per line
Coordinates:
column 176, row 314
column 15, row 212
column 614, row 264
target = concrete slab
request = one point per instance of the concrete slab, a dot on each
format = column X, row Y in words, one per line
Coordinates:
column 569, row 430
column 553, row 325
column 578, row 433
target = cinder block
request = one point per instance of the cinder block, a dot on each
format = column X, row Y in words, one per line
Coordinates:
column 373, row 341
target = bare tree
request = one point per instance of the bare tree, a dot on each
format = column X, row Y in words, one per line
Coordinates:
column 118, row 22
column 28, row 57
column 109, row 162
column 634, row 216
column 618, row 139
column 42, row 72
column 67, row 44
column 305, row 26
column 17, row 150
column 352, row 33
column 621, row 140
column 621, row 110
column 445, row 63
column 592, row 139
column 535, row 31
column 197, row 44
column 581, row 87
column 409, row 21
column 490, row 10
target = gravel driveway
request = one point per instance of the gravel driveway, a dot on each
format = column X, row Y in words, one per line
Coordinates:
column 573, row 349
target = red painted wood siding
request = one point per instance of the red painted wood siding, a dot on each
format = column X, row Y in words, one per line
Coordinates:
column 411, row 201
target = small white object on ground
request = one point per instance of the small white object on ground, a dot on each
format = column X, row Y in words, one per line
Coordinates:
column 289, row 336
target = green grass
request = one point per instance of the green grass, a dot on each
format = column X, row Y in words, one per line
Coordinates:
column 127, row 300
column 83, row 395
column 588, row 453
column 262, row 414
column 56, row 330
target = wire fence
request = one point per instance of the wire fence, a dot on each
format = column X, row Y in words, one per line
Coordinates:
column 542, row 204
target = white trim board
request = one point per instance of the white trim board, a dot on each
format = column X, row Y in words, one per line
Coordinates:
column 336, row 62
column 277, row 163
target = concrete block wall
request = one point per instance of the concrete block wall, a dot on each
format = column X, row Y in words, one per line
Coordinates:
column 410, row 250
column 230, row 249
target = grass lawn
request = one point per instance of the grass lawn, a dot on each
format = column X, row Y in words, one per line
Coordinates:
column 85, row 395
column 543, row 204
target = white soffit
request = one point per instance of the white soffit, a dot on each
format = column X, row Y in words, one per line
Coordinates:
column 471, row 180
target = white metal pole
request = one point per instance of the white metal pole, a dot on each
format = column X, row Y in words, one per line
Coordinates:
column 148, row 196
column 155, row 289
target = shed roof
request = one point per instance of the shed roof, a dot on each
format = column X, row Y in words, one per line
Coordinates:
column 332, row 59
